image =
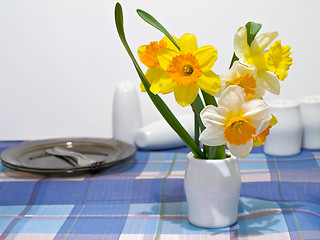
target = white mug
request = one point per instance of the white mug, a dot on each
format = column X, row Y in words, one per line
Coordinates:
column 310, row 114
column 286, row 136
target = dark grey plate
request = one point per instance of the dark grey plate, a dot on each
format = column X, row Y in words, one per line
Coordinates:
column 31, row 156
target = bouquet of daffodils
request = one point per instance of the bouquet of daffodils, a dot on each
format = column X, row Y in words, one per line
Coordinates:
column 240, row 118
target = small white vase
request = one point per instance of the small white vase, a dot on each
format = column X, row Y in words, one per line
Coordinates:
column 286, row 136
column 212, row 189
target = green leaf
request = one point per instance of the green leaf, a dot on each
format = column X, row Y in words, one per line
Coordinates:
column 234, row 58
column 160, row 105
column 197, row 107
column 252, row 30
column 153, row 22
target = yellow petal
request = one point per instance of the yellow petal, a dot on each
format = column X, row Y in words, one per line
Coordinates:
column 154, row 76
column 188, row 43
column 207, row 56
column 274, row 120
column 169, row 43
column 209, row 82
column 165, row 56
column 241, row 47
column 262, row 41
column 155, row 88
column 185, row 95
column 142, row 88
column 279, row 59
column 141, row 49
column 166, row 85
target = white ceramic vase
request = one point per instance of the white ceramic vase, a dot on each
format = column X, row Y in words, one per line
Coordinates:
column 212, row 189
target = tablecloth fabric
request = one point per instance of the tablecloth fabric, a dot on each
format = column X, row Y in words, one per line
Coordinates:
column 144, row 199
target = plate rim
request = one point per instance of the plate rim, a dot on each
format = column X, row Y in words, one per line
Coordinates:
column 9, row 153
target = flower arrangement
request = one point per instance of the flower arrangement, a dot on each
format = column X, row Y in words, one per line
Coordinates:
column 240, row 118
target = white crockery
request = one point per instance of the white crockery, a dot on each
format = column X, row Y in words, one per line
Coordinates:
column 286, row 136
column 159, row 135
column 310, row 114
column 212, row 189
column 126, row 112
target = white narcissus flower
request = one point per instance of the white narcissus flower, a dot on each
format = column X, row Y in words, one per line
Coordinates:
column 272, row 65
column 244, row 76
column 235, row 121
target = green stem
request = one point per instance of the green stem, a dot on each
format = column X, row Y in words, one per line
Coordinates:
column 220, row 152
column 160, row 105
column 196, row 130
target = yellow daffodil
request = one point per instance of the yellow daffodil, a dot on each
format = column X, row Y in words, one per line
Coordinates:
column 189, row 69
column 272, row 65
column 245, row 77
column 235, row 121
column 155, row 74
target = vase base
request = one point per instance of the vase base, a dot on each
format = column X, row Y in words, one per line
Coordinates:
column 213, row 225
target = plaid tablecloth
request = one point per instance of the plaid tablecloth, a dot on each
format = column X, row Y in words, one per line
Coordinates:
column 144, row 199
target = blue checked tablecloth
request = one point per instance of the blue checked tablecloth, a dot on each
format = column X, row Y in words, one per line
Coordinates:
column 144, row 199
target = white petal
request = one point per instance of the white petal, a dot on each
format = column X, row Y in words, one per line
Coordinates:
column 212, row 116
column 242, row 150
column 232, row 73
column 241, row 47
column 262, row 125
column 272, row 82
column 232, row 98
column 255, row 109
column 243, row 69
column 212, row 136
column 238, row 69
column 262, row 41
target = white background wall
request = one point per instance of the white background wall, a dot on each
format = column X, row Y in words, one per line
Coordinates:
column 60, row 60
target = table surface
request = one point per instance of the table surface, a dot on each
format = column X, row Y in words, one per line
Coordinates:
column 144, row 199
